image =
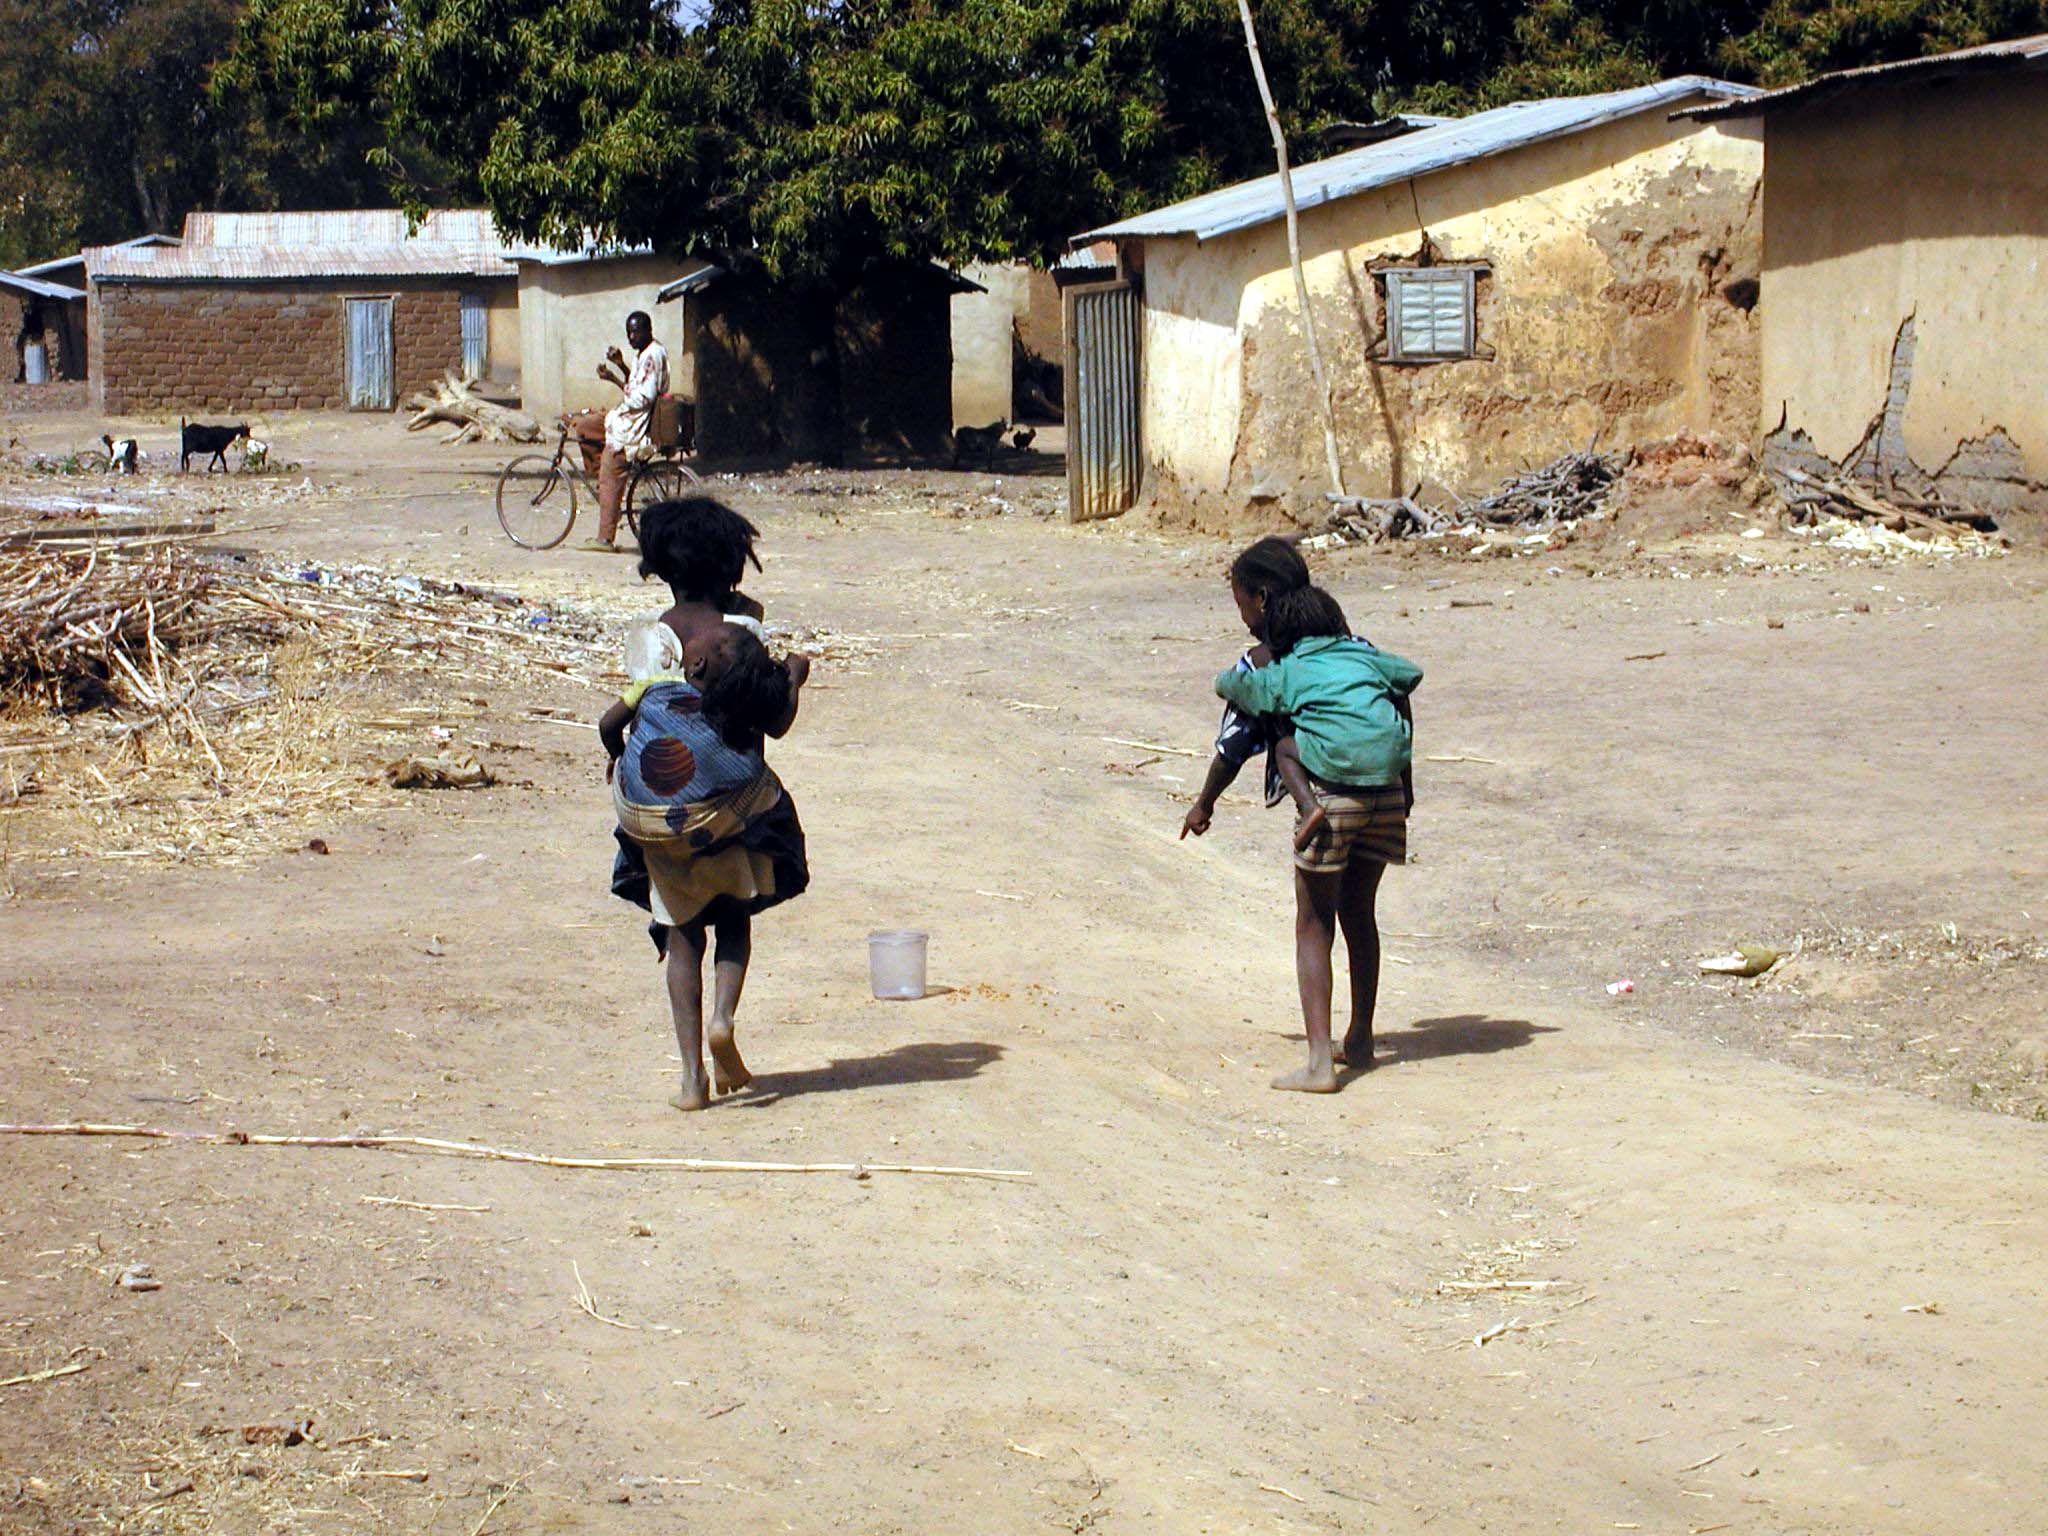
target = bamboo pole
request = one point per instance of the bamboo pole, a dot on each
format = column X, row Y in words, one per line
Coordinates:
column 441, row 1148
column 1308, row 319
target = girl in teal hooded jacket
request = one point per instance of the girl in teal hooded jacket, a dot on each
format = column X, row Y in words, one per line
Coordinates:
column 1346, row 761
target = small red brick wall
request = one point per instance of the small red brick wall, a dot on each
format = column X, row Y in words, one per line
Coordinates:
column 183, row 348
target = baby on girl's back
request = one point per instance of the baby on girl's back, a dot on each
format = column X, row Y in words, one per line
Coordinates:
column 707, row 835
column 1331, row 713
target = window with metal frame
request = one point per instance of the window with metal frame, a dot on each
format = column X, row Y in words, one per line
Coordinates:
column 1430, row 313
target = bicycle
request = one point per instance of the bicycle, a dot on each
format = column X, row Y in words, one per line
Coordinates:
column 537, row 492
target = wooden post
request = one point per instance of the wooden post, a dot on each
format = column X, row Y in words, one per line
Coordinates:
column 1308, row 321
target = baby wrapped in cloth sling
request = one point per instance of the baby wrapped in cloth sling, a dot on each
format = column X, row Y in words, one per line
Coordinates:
column 705, row 827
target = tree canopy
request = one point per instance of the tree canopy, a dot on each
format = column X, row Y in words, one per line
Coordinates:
column 809, row 136
column 109, row 128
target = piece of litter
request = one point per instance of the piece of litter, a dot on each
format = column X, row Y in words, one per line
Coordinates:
column 1620, row 988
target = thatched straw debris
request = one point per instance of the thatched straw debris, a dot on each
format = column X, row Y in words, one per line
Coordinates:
column 157, row 703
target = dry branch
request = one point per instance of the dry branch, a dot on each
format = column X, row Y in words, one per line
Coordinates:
column 49, row 1375
column 1569, row 487
column 436, row 1146
column 1814, row 496
column 454, row 400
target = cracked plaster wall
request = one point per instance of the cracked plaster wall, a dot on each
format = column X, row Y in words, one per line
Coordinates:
column 1906, row 244
column 1612, row 254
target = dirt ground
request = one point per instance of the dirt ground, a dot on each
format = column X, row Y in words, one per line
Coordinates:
column 1744, row 1256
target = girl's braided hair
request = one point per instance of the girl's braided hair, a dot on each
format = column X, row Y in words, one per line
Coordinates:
column 750, row 695
column 1305, row 613
column 699, row 546
column 1270, row 567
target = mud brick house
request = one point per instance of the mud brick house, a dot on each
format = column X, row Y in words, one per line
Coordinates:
column 757, row 371
column 1488, row 292
column 1905, row 237
column 260, row 312
column 48, row 317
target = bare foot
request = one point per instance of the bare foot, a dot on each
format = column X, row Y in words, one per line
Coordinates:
column 690, row 1098
column 729, row 1073
column 1313, row 1078
column 1312, row 828
column 1356, row 1053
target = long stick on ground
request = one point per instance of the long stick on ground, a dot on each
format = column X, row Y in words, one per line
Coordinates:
column 435, row 1146
column 1308, row 319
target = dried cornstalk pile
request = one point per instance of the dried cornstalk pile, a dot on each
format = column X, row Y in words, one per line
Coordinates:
column 73, row 626
column 160, row 703
column 454, row 399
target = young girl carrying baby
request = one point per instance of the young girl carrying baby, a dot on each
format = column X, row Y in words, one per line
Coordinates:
column 1340, row 738
column 707, row 835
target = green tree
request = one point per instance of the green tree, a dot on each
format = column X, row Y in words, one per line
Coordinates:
column 109, row 127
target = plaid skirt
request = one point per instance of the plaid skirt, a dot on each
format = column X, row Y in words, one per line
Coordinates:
column 1365, row 824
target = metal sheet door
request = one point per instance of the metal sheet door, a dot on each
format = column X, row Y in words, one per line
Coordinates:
column 1102, row 388
column 476, row 336
column 369, row 355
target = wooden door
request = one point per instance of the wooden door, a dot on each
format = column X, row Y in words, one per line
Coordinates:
column 369, row 355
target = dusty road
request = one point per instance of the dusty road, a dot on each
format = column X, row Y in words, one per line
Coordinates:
column 1755, row 1276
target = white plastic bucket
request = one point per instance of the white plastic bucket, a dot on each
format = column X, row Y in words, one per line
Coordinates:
column 896, row 963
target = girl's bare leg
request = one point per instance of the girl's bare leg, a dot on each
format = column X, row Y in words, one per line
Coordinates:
column 1358, row 915
column 1315, row 931
column 729, row 958
column 685, row 966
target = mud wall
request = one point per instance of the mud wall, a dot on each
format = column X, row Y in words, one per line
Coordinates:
column 1903, row 330
column 569, row 314
column 1621, row 268
column 759, row 377
column 1022, row 303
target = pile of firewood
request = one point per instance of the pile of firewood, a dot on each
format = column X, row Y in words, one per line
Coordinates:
column 1562, row 491
column 454, row 400
column 1812, row 497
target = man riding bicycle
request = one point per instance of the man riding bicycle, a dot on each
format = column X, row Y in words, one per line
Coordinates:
column 610, row 441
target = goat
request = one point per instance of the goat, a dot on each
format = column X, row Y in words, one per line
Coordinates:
column 122, row 453
column 981, row 441
column 197, row 437
column 1022, row 438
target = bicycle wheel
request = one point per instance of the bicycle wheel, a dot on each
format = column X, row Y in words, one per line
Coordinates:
column 660, row 480
column 536, row 501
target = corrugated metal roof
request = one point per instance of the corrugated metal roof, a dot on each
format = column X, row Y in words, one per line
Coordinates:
column 36, row 288
column 77, row 258
column 470, row 227
column 1251, row 203
column 257, row 262
column 2015, row 53
column 690, row 282
column 358, row 243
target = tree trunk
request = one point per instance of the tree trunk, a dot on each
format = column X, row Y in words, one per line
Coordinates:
column 145, row 204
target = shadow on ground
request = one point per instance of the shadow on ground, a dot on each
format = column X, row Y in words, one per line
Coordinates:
column 1458, row 1034
column 925, row 1062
